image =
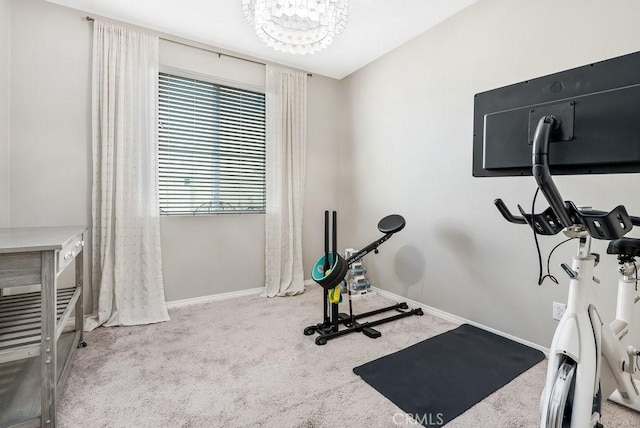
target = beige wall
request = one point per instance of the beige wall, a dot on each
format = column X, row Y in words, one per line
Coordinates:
column 394, row 137
column 322, row 185
column 51, row 151
column 50, row 148
column 223, row 253
column 5, row 58
column 50, row 116
column 218, row 253
column 407, row 148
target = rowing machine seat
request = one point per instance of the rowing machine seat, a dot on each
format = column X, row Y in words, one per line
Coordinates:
column 391, row 224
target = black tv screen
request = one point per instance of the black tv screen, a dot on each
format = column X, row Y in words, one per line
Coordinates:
column 598, row 106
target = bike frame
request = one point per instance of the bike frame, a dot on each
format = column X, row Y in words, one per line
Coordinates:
column 587, row 361
column 603, row 365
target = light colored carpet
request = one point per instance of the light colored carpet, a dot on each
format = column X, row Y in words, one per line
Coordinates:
column 245, row 362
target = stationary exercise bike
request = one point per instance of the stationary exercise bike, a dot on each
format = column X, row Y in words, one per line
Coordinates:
column 587, row 361
column 330, row 271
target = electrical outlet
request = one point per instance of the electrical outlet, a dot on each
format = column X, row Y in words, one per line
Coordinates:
column 558, row 310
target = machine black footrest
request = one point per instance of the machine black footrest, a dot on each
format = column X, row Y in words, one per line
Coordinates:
column 370, row 332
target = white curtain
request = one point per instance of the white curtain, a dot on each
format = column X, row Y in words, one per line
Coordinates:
column 286, row 157
column 127, row 270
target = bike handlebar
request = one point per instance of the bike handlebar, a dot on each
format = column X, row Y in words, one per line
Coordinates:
column 541, row 169
column 561, row 214
column 634, row 219
column 507, row 214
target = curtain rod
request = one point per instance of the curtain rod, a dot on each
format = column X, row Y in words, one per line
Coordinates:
column 91, row 19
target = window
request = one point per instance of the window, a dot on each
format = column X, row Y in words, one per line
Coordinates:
column 211, row 148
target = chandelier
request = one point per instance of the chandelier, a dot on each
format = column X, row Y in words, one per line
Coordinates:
column 296, row 26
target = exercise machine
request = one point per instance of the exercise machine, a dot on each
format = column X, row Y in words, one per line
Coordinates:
column 587, row 360
column 330, row 271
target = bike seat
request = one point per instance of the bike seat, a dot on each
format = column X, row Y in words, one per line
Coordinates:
column 391, row 224
column 625, row 246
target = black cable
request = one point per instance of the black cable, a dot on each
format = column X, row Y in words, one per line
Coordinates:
column 542, row 277
column 551, row 277
column 535, row 236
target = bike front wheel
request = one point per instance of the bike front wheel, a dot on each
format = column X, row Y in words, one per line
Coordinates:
column 559, row 406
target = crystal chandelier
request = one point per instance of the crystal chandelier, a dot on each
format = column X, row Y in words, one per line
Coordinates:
column 296, row 26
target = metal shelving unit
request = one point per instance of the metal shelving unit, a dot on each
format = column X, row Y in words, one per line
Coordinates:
column 36, row 348
column 20, row 322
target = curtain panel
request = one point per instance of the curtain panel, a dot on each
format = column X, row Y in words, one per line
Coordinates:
column 286, row 97
column 127, row 270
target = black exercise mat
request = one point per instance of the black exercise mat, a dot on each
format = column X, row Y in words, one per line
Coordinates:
column 440, row 378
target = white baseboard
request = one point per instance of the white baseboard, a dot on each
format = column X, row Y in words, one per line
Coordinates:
column 456, row 319
column 213, row 297
column 447, row 316
column 193, row 301
column 395, row 297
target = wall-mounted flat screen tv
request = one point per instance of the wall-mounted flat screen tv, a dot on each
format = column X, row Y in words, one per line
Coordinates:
column 598, row 107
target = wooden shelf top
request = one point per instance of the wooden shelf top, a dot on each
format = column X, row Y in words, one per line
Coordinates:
column 24, row 239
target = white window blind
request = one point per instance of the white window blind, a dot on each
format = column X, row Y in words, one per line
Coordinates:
column 211, row 153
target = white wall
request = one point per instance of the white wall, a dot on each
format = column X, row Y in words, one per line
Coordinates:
column 51, row 152
column 5, row 58
column 407, row 148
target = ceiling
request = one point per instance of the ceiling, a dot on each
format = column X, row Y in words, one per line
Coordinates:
column 375, row 27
